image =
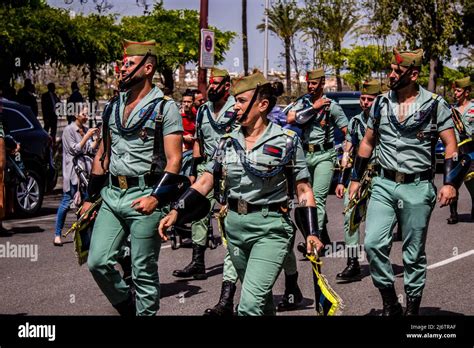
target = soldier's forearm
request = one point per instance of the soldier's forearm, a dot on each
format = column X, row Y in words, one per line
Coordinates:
column 204, row 184
column 305, row 194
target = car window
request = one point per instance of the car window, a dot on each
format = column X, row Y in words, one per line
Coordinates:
column 15, row 121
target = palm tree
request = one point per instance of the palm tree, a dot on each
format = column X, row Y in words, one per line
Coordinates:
column 284, row 22
column 245, row 45
column 336, row 18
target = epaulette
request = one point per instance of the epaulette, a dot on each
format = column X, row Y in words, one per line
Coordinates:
column 167, row 97
column 289, row 132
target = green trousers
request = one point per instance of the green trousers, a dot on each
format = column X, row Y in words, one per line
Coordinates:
column 411, row 205
column 321, row 168
column 258, row 244
column 115, row 221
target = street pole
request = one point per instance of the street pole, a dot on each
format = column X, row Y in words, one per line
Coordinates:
column 265, row 45
column 203, row 24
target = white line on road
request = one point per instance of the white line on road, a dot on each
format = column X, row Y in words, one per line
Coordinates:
column 52, row 217
column 451, row 259
column 165, row 246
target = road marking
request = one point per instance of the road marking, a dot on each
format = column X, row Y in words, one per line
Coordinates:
column 165, row 246
column 451, row 259
column 52, row 217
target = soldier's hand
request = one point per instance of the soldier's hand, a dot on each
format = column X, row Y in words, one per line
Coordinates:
column 318, row 104
column 291, row 117
column 145, row 205
column 354, row 188
column 447, row 195
column 313, row 242
column 165, row 223
column 340, row 191
column 85, row 207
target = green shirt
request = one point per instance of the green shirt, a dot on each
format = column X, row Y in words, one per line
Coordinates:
column 356, row 131
column 210, row 135
column 131, row 154
column 269, row 149
column 467, row 119
column 314, row 132
column 405, row 150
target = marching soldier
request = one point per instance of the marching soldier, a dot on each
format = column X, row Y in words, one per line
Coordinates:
column 463, row 115
column 356, row 131
column 404, row 124
column 258, row 164
column 214, row 119
column 317, row 116
column 139, row 156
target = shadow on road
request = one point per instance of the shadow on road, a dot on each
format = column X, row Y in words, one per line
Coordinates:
column 26, row 229
column 181, row 287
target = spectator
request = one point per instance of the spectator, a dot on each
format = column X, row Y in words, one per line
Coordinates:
column 26, row 96
column 75, row 98
column 189, row 120
column 48, row 105
column 198, row 100
column 76, row 140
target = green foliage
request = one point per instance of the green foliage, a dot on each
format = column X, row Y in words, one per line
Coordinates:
column 363, row 61
column 177, row 34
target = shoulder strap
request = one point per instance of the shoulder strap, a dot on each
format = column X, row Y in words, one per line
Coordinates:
column 200, row 135
column 158, row 160
column 434, row 132
column 105, row 128
column 219, row 191
column 289, row 166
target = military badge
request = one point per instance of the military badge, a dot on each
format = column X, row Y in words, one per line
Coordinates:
column 420, row 135
column 143, row 134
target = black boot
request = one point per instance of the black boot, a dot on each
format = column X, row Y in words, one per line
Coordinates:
column 352, row 272
column 126, row 308
column 391, row 306
column 293, row 296
column 413, row 305
column 325, row 236
column 196, row 268
column 225, row 306
column 453, row 219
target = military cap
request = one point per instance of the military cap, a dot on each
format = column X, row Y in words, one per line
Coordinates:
column 372, row 87
column 463, row 83
column 133, row 48
column 314, row 74
column 216, row 72
column 247, row 83
column 407, row 58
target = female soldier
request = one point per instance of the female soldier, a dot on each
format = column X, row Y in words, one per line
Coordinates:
column 254, row 161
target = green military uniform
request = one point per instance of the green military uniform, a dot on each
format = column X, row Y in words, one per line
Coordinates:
column 467, row 119
column 210, row 131
column 404, row 152
column 355, row 134
column 318, row 142
column 258, row 240
column 131, row 156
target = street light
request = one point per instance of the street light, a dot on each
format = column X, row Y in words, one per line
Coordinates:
column 265, row 44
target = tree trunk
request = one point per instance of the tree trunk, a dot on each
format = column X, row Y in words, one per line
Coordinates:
column 434, row 62
column 288, row 66
column 168, row 76
column 245, row 45
column 92, row 78
column 294, row 58
column 338, row 79
column 182, row 75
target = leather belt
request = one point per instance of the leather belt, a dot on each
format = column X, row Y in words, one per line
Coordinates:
column 403, row 178
column 243, row 207
column 318, row 147
column 125, row 182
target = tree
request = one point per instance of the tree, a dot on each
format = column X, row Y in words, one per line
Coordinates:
column 335, row 19
column 363, row 61
column 31, row 33
column 95, row 41
column 245, row 46
column 284, row 22
column 177, row 35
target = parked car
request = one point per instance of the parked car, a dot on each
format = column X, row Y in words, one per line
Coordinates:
column 36, row 153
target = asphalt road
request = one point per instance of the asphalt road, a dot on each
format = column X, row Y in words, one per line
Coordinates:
column 52, row 283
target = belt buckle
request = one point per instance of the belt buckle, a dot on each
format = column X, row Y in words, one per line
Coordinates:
column 122, row 179
column 242, row 207
column 311, row 147
column 399, row 178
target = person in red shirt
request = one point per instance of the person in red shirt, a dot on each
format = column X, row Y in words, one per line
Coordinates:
column 189, row 120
